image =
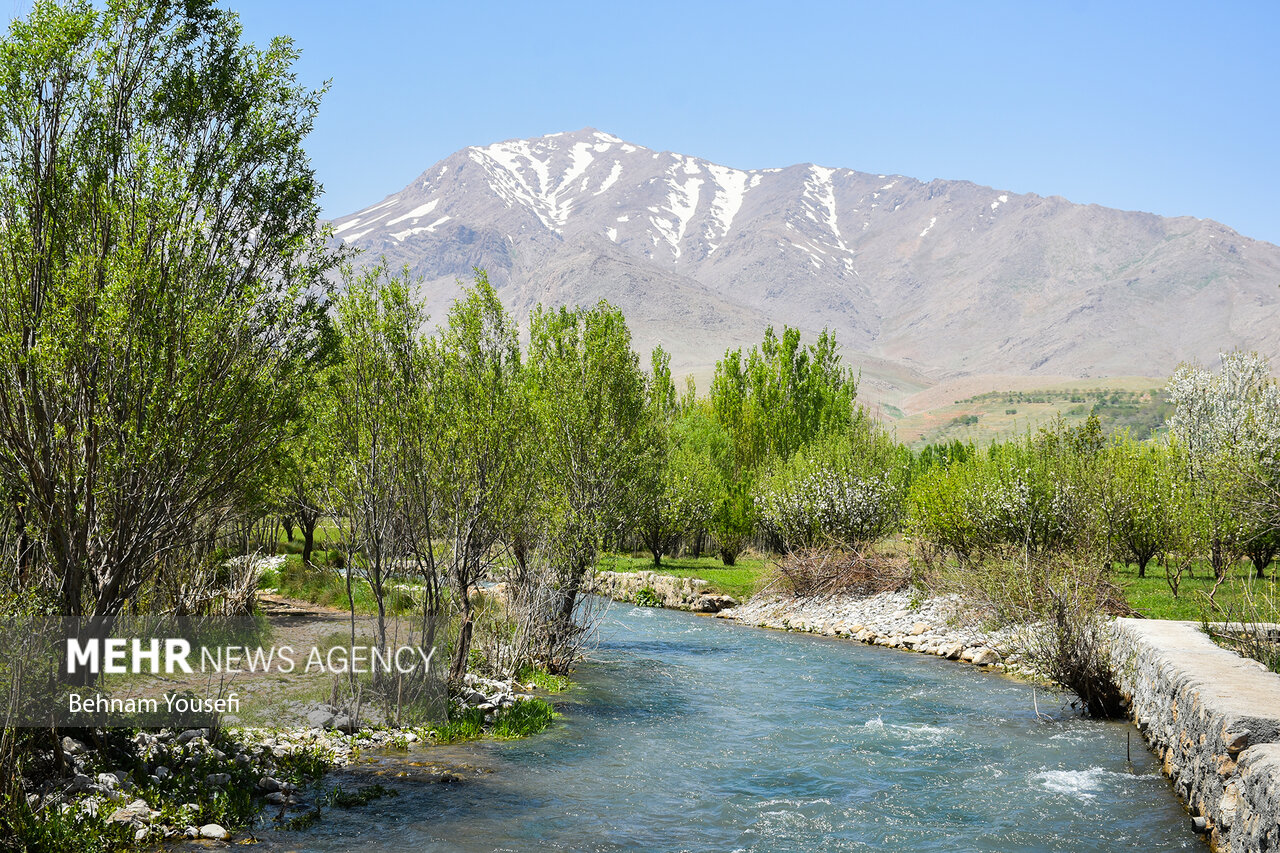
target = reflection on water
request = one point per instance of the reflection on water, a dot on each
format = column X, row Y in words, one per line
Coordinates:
column 693, row 734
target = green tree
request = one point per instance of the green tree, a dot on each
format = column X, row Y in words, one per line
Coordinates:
column 846, row 489
column 305, row 470
column 1142, row 500
column 781, row 397
column 376, row 388
column 478, row 388
column 590, row 400
column 675, row 483
column 1229, row 422
column 161, row 283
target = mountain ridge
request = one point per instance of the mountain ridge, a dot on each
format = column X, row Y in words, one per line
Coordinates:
column 930, row 280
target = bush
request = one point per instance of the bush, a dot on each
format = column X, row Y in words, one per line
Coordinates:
column 1031, row 494
column 826, row 572
column 1061, row 603
column 647, row 596
column 845, row 491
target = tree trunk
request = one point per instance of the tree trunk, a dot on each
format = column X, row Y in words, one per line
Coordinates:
column 308, row 524
column 463, row 650
column 1218, row 558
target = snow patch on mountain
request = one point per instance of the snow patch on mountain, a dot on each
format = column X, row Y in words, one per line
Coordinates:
column 730, row 192
column 417, row 213
column 614, row 174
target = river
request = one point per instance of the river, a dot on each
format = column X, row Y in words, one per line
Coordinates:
column 685, row 733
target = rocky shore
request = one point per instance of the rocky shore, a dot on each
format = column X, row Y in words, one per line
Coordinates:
column 938, row 625
column 158, row 785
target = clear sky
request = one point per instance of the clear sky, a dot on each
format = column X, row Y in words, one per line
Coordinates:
column 1170, row 107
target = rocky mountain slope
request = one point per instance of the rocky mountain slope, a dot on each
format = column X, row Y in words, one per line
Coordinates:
column 921, row 282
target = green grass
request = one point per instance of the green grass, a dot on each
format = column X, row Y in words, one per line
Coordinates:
column 327, row 535
column 339, row 798
column 542, row 679
column 740, row 581
column 304, row 765
column 526, row 717
column 327, row 586
column 461, row 726
column 1152, row 597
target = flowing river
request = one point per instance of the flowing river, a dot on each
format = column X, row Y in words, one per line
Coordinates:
column 693, row 734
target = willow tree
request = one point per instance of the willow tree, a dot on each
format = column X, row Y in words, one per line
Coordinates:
column 160, row 283
column 589, row 395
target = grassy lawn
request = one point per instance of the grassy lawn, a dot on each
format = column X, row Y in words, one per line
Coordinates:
column 740, row 581
column 1152, row 597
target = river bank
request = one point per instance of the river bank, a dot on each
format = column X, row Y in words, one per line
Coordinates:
column 106, row 788
column 937, row 625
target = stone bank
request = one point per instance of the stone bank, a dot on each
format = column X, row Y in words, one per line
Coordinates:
column 1213, row 718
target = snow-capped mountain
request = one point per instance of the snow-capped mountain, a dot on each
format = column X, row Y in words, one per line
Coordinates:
column 917, row 280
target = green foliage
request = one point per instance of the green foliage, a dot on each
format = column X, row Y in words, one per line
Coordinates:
column 846, row 489
column 590, row 399
column 542, row 679
column 462, row 725
column 340, row 798
column 50, row 831
column 526, row 717
column 304, row 765
column 163, row 291
column 781, row 397
column 1030, row 494
column 1143, row 503
column 647, row 596
column 733, row 520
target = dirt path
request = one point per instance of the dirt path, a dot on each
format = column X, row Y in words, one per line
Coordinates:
column 294, row 667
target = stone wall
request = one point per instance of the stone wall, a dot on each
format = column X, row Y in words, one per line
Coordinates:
column 672, row 592
column 1213, row 718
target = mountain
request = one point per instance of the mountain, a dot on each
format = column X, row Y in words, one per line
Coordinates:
column 921, row 282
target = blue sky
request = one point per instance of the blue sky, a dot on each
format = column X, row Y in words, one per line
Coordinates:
column 1167, row 107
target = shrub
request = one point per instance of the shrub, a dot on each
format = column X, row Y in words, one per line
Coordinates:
column 1061, row 603
column 845, row 491
column 647, row 596
column 825, row 572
